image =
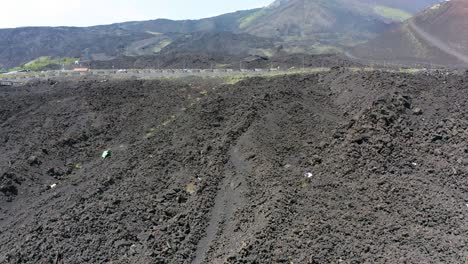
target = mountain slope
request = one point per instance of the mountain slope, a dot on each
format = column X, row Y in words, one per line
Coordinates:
column 439, row 35
column 338, row 23
column 226, row 43
column 225, row 22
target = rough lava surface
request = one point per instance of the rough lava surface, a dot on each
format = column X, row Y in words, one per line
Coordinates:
column 333, row 167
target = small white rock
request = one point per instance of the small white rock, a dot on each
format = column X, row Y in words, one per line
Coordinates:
column 414, row 164
column 308, row 175
column 53, row 186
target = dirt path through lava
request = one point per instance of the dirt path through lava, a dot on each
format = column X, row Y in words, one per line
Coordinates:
column 229, row 199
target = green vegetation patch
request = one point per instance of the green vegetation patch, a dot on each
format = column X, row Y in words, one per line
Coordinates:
column 162, row 44
column 314, row 49
column 234, row 79
column 325, row 49
column 392, row 13
column 154, row 33
column 231, row 80
column 248, row 20
column 410, row 70
column 222, row 66
column 263, row 52
column 42, row 62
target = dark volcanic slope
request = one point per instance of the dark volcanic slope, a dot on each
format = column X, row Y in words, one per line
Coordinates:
column 438, row 35
column 413, row 6
column 21, row 45
column 329, row 22
column 222, row 43
column 325, row 168
column 18, row 46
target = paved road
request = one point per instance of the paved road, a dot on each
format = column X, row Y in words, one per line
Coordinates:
column 438, row 43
